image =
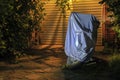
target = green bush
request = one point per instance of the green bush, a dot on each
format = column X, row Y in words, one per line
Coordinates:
column 18, row 19
column 113, row 7
column 17, row 23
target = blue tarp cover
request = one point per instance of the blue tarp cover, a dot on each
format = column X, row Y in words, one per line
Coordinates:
column 81, row 36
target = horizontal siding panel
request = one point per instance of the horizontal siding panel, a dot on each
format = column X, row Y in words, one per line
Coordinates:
column 79, row 8
column 97, row 14
column 60, row 36
column 52, row 31
column 86, row 1
column 54, row 19
column 53, row 41
column 57, row 25
column 86, row 6
column 56, row 16
column 51, row 34
column 61, row 42
column 61, row 32
column 87, row 9
column 54, row 27
column 49, row 21
column 57, row 40
column 54, row 37
column 49, row 43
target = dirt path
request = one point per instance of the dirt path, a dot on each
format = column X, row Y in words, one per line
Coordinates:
column 46, row 65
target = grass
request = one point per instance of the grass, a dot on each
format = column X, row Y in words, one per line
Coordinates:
column 100, row 70
column 114, row 65
column 95, row 71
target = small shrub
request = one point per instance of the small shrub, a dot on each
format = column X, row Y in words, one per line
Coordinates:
column 115, row 66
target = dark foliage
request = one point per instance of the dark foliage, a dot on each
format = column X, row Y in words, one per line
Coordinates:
column 18, row 18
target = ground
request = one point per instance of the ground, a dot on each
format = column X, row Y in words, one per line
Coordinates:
column 45, row 64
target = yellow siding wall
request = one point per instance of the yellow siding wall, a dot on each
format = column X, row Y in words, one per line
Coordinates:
column 55, row 25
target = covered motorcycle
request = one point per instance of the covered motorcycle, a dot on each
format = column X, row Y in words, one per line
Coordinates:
column 81, row 37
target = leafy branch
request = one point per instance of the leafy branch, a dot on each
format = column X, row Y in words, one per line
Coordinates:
column 63, row 5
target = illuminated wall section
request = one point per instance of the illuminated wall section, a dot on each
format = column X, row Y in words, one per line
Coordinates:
column 55, row 25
